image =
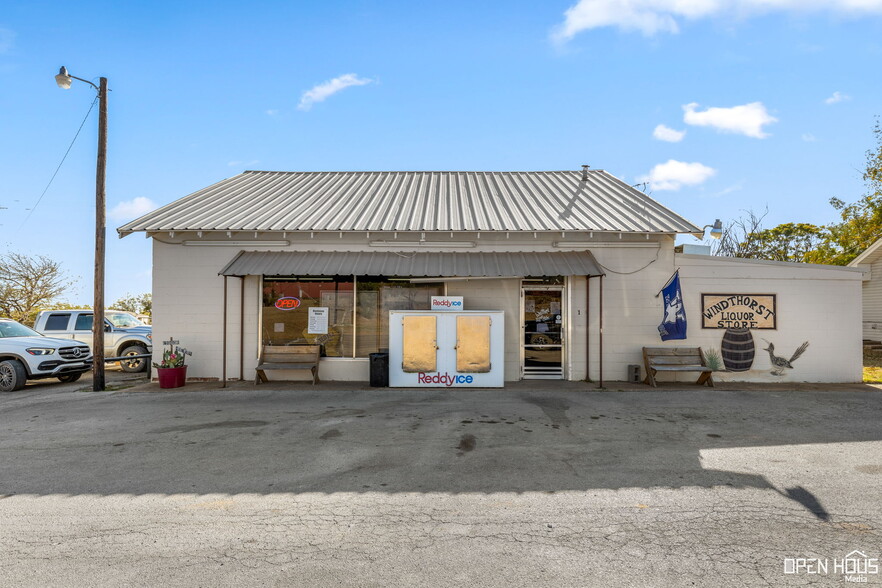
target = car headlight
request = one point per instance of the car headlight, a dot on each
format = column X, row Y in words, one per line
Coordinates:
column 40, row 351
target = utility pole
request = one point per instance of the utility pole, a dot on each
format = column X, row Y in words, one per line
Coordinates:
column 100, row 233
column 64, row 80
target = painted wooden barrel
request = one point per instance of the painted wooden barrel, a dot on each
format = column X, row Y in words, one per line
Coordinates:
column 737, row 350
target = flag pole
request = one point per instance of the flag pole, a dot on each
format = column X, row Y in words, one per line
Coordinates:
column 673, row 275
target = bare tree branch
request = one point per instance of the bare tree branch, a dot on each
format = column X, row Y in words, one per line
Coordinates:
column 27, row 282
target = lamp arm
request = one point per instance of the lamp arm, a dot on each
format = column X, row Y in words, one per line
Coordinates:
column 87, row 81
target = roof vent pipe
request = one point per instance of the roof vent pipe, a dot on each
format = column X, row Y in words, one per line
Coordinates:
column 585, row 173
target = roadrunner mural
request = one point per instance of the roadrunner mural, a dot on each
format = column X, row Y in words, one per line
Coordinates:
column 779, row 364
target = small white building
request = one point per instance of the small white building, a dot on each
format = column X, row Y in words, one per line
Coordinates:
column 871, row 262
column 575, row 261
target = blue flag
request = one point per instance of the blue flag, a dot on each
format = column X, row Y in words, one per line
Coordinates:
column 673, row 324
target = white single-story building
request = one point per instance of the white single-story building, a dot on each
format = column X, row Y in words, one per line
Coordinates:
column 575, row 260
column 871, row 262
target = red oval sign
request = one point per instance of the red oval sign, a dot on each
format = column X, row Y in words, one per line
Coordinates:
column 287, row 303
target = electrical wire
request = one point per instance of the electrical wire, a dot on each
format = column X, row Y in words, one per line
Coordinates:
column 612, row 271
column 82, row 124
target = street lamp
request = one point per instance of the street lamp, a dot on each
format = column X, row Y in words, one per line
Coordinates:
column 64, row 80
column 716, row 229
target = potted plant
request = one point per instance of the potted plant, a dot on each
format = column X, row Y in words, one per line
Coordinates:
column 172, row 369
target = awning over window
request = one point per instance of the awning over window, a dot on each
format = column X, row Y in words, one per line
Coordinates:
column 413, row 264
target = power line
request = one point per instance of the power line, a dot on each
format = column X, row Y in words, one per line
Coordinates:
column 34, row 207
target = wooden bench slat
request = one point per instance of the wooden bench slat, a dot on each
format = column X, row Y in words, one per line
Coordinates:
column 691, row 351
column 680, row 360
column 296, row 365
column 684, row 368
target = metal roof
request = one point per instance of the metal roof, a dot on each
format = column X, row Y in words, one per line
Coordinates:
column 415, row 201
column 390, row 263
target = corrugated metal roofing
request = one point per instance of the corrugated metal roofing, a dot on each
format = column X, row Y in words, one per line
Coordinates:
column 389, row 263
column 416, row 201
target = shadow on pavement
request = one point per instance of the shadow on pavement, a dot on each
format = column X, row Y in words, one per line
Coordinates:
column 334, row 437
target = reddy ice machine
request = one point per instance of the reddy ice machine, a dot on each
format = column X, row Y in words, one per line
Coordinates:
column 431, row 349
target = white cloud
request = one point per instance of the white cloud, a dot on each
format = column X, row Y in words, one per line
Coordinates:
column 734, row 188
column 837, row 97
column 131, row 209
column 323, row 91
column 747, row 119
column 651, row 17
column 673, row 175
column 272, row 112
column 808, row 138
column 7, row 40
column 663, row 133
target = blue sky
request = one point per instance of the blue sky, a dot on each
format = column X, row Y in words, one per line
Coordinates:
column 720, row 105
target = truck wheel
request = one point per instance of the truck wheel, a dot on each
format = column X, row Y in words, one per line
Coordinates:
column 68, row 378
column 134, row 365
column 12, row 376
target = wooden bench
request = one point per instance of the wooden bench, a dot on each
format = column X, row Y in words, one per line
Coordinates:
column 676, row 359
column 288, row 357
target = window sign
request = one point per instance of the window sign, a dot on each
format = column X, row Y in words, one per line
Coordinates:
column 287, row 303
column 318, row 320
column 738, row 311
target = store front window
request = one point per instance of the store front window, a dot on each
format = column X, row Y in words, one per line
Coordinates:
column 351, row 332
column 375, row 297
column 286, row 304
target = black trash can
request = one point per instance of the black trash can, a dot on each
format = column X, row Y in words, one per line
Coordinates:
column 379, row 370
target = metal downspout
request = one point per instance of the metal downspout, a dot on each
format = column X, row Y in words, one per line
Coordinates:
column 224, row 354
column 587, row 327
column 242, row 329
column 601, row 331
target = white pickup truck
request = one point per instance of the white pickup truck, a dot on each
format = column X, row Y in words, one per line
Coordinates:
column 123, row 333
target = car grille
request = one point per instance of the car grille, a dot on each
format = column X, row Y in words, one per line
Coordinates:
column 79, row 352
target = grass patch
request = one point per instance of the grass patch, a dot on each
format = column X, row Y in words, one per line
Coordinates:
column 872, row 375
column 872, row 366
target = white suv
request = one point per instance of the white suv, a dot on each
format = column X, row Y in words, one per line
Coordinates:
column 27, row 355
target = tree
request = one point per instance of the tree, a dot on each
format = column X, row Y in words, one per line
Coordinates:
column 787, row 242
column 136, row 304
column 736, row 241
column 27, row 283
column 861, row 223
column 745, row 237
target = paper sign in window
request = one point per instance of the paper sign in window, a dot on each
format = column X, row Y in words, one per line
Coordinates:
column 473, row 344
column 419, row 343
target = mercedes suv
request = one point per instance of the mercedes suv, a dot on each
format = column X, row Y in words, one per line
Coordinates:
column 25, row 355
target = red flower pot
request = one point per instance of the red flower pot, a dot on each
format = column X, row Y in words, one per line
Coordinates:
column 172, row 377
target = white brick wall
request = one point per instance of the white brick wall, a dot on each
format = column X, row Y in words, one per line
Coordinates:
column 815, row 303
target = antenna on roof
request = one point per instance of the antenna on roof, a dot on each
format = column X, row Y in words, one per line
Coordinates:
column 585, row 172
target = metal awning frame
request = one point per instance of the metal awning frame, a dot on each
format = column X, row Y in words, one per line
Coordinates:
column 226, row 275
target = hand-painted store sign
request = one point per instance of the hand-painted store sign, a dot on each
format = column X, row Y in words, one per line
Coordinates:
column 738, row 311
column 287, row 303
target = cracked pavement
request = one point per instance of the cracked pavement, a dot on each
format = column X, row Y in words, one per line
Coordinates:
column 539, row 484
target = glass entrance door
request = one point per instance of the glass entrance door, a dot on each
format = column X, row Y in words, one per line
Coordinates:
column 543, row 333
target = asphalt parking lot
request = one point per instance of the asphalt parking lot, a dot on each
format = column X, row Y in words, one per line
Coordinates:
column 539, row 484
